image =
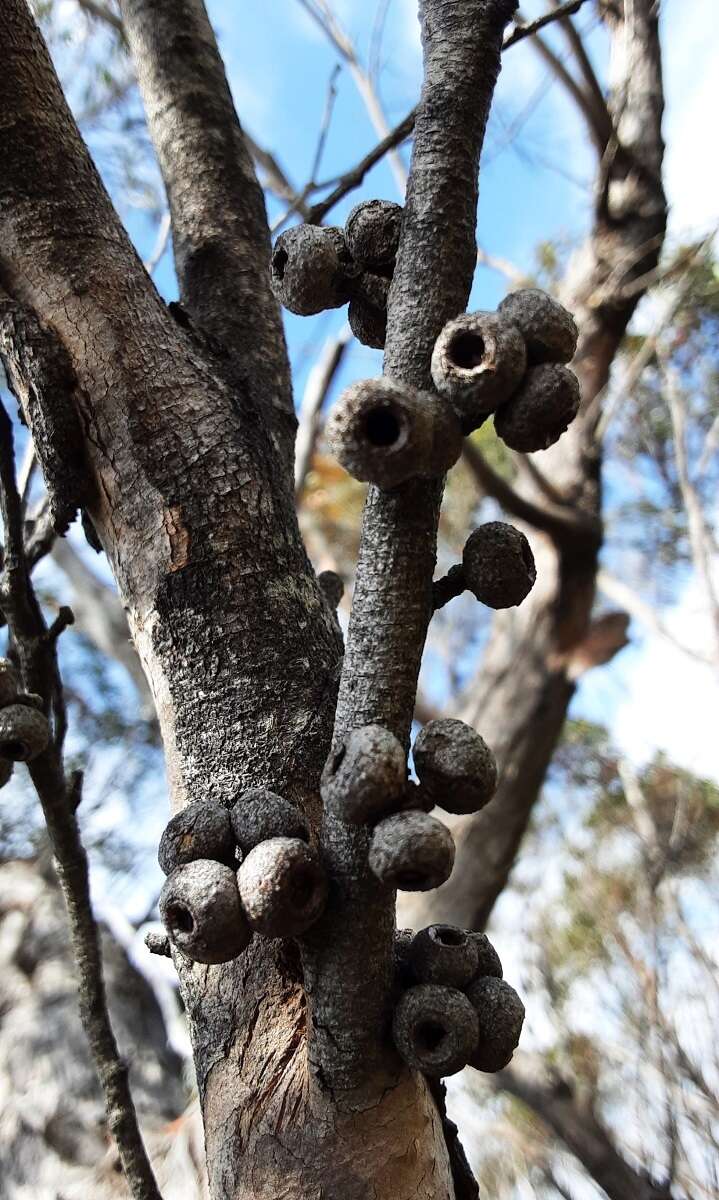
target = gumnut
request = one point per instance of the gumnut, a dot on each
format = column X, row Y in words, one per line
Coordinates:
column 455, row 765
column 312, row 269
column 201, row 830
column 24, row 733
column 498, row 565
column 282, row 887
column 367, row 313
column 332, row 586
column 201, row 911
column 488, row 961
column 9, row 683
column 501, row 1016
column 478, row 362
column 444, row 954
column 549, row 330
column 372, row 231
column 412, row 851
column 541, row 410
column 385, row 433
column 259, row 814
column 364, row 778
column 435, row 1029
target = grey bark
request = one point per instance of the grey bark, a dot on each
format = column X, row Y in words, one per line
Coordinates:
column 187, row 430
column 528, row 675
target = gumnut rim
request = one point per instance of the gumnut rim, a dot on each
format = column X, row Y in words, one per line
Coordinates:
column 200, row 909
column 478, row 362
column 435, row 1029
column 444, row 954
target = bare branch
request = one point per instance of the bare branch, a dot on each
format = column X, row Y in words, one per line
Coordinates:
column 620, row 592
column 576, row 44
column 563, row 523
column 317, row 388
column 40, row 671
column 595, row 118
column 220, row 234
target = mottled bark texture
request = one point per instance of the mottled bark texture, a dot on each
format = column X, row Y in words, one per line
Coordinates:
column 528, row 675
column 187, row 431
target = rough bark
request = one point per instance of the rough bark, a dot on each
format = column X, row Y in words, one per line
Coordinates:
column 528, row 675
column 186, row 440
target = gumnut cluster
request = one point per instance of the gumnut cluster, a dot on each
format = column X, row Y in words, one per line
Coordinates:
column 365, row 783
column 455, row 1009
column 24, row 728
column 235, row 872
column 316, row 267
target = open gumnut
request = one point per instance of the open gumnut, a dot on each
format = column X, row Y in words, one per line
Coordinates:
column 372, row 231
column 412, row 851
column 501, row 1016
column 24, row 733
column 201, row 830
column 435, row 1029
column 282, row 887
column 478, row 362
column 384, row 433
column 364, row 778
column 444, row 954
column 455, row 765
column 541, row 410
column 201, row 911
column 498, row 565
column 312, row 269
column 260, row 814
column 549, row 330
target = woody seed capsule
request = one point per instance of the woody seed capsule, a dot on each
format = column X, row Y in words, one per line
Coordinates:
column 260, row 814
column 364, row 779
column 201, row 830
column 24, row 733
column 478, row 363
column 435, row 1029
column 541, row 410
column 444, row 954
column 501, row 1016
column 282, row 887
column 311, row 269
column 549, row 330
column 201, row 911
column 384, row 433
column 367, row 313
column 455, row 765
column 412, row 851
column 498, row 565
column 488, row 961
column 372, row 231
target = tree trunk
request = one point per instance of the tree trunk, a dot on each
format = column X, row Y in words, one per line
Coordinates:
column 182, row 423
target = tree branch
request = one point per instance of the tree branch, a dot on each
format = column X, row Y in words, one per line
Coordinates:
column 564, row 524
column 576, row 44
column 220, row 234
column 351, row 952
column 59, row 799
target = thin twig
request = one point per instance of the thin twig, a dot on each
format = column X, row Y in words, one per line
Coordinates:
column 354, row 177
column 319, row 382
column 161, row 242
column 59, row 800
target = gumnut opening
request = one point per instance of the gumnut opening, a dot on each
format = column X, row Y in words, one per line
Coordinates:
column 455, row 765
column 201, row 911
column 501, row 1016
column 372, row 231
column 365, row 778
column 541, row 410
column 9, row 683
column 384, row 433
column 201, row 830
column 311, row 269
column 444, row 954
column 549, row 330
column 435, row 1029
column 498, row 565
column 24, row 733
column 412, row 851
column 478, row 362
column 282, row 887
column 260, row 814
